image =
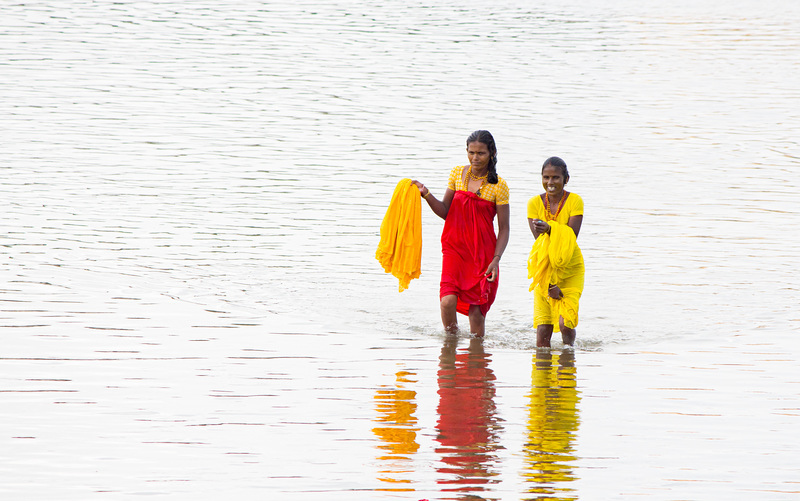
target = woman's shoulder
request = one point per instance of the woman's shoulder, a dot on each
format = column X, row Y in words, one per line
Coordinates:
column 535, row 207
column 574, row 198
column 457, row 172
column 575, row 203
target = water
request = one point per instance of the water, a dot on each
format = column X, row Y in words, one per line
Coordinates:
column 190, row 304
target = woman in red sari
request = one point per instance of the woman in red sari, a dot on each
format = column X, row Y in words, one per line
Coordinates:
column 471, row 251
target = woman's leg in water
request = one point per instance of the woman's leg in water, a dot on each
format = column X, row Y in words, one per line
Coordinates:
column 543, row 334
column 477, row 322
column 567, row 334
column 448, row 307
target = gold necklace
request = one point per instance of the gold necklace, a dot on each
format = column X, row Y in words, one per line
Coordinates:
column 482, row 179
column 476, row 178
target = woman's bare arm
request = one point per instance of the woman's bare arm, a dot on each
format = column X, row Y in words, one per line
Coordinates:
column 503, row 224
column 439, row 207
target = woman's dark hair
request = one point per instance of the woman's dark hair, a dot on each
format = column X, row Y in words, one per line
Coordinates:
column 485, row 137
column 557, row 162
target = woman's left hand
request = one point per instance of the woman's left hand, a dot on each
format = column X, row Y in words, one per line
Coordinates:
column 491, row 270
column 555, row 292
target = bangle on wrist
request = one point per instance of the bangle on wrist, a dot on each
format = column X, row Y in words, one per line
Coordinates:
column 498, row 256
column 427, row 192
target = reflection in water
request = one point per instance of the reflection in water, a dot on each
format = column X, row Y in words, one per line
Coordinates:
column 397, row 432
column 467, row 426
column 552, row 424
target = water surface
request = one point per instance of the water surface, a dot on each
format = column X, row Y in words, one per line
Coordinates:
column 190, row 304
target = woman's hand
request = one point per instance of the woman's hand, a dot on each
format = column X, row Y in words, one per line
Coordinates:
column 422, row 189
column 439, row 207
column 539, row 227
column 492, row 269
column 555, row 292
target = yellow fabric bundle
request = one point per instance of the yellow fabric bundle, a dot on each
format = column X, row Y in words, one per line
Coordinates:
column 400, row 248
column 566, row 307
column 549, row 258
column 550, row 255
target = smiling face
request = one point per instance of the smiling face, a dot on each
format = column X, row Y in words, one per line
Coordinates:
column 478, row 154
column 553, row 180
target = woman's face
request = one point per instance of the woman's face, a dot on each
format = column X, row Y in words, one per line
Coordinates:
column 553, row 180
column 478, row 154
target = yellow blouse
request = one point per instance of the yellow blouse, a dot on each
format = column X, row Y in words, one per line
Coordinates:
column 573, row 206
column 497, row 193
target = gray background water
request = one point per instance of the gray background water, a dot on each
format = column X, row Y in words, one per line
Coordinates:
column 190, row 304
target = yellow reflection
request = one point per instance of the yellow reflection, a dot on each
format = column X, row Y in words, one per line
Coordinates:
column 467, row 426
column 552, row 424
column 397, row 431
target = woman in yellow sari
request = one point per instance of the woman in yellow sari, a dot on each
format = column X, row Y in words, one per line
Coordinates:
column 556, row 261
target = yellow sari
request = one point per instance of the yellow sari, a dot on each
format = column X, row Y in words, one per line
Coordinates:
column 556, row 259
column 400, row 247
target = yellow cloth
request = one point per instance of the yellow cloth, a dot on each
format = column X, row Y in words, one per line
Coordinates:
column 556, row 259
column 400, row 248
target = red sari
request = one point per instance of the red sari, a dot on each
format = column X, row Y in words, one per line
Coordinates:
column 468, row 245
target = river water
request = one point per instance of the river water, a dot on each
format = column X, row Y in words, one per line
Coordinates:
column 190, row 307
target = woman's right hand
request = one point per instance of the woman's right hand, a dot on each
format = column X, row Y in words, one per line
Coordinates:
column 539, row 227
column 422, row 189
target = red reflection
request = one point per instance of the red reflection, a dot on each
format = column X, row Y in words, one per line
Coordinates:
column 467, row 426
